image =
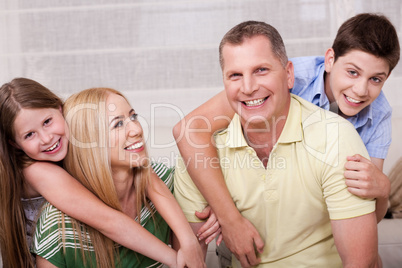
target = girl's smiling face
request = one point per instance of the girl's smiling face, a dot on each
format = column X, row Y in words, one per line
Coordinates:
column 41, row 134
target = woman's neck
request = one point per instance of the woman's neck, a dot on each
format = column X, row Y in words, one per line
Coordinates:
column 125, row 189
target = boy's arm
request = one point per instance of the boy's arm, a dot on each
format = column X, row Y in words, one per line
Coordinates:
column 68, row 195
column 356, row 240
column 365, row 178
column 194, row 139
column 189, row 252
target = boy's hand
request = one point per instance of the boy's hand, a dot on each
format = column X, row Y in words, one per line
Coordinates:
column 364, row 179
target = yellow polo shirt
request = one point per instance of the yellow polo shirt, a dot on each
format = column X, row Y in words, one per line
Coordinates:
column 292, row 201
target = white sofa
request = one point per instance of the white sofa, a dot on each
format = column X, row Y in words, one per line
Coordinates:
column 390, row 242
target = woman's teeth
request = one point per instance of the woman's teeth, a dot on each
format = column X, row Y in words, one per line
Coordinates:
column 53, row 147
column 352, row 100
column 135, row 146
column 254, row 102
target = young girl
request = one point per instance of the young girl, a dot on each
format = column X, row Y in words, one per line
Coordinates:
column 107, row 155
column 33, row 142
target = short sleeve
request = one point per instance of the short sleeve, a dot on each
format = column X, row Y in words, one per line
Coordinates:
column 186, row 193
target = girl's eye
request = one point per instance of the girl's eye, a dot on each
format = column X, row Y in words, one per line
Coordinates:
column 27, row 136
column 47, row 121
column 133, row 117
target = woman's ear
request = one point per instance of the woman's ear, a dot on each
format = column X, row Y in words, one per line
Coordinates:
column 329, row 59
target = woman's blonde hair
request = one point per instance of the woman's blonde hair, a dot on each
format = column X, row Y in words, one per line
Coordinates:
column 88, row 161
column 395, row 198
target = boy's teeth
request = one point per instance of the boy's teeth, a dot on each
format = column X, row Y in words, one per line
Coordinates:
column 352, row 100
column 254, row 102
column 135, row 146
column 53, row 147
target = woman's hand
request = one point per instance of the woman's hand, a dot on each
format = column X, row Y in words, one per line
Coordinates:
column 211, row 228
column 190, row 254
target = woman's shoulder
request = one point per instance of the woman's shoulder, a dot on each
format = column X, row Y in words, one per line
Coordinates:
column 164, row 173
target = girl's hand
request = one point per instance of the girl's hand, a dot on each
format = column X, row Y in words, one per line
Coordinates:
column 190, row 255
column 364, row 179
column 211, row 228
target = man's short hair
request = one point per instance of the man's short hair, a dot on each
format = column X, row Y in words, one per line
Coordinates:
column 249, row 29
column 370, row 33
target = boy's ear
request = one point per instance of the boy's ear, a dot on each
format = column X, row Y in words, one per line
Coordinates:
column 329, row 59
column 14, row 144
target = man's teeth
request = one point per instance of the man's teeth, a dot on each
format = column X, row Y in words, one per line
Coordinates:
column 352, row 100
column 254, row 102
column 135, row 146
column 53, row 147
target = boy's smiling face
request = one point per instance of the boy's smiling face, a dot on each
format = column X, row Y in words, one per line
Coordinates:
column 354, row 80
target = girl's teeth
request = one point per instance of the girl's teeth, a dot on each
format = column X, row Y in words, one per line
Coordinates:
column 254, row 102
column 352, row 100
column 135, row 146
column 53, row 147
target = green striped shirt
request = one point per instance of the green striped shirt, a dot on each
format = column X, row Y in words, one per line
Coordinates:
column 48, row 241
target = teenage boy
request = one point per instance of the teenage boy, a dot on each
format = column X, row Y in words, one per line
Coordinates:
column 349, row 81
column 282, row 159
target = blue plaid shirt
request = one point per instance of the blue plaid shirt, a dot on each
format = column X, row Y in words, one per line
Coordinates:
column 373, row 123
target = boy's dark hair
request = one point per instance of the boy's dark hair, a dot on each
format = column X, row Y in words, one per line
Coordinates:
column 370, row 33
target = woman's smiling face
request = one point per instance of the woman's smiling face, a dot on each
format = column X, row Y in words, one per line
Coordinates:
column 127, row 146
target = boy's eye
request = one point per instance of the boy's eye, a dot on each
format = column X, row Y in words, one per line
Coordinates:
column 376, row 79
column 353, row 73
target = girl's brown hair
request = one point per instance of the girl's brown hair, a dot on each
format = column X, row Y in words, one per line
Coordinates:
column 20, row 93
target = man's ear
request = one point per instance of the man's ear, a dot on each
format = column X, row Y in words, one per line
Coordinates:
column 291, row 74
column 329, row 59
column 14, row 144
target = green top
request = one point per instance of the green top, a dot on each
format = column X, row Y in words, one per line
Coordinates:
column 48, row 241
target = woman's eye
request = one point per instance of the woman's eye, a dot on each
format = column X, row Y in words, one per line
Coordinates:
column 118, row 124
column 133, row 117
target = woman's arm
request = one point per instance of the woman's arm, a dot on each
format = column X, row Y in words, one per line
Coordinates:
column 190, row 253
column 365, row 178
column 193, row 135
column 71, row 197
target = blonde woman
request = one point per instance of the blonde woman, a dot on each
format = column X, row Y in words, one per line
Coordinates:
column 107, row 155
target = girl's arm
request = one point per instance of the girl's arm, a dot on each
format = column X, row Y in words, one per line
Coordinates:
column 169, row 209
column 193, row 135
column 365, row 178
column 71, row 197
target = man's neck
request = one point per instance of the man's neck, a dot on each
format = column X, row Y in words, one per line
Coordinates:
column 262, row 140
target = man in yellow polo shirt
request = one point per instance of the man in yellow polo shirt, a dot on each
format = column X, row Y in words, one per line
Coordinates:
column 282, row 159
